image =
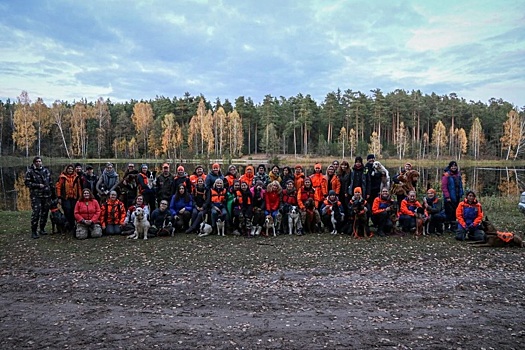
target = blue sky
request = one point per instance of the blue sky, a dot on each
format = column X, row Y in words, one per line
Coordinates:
column 68, row 50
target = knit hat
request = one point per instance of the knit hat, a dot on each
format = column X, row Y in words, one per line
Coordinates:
column 452, row 163
column 298, row 166
column 216, row 166
column 180, row 168
column 358, row 190
column 370, row 156
column 317, row 166
column 431, row 190
column 89, row 167
column 144, row 166
column 165, row 165
column 332, row 193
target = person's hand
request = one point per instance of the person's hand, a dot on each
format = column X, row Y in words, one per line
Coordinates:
column 182, row 211
column 449, row 200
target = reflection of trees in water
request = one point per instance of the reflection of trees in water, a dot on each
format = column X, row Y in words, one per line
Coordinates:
column 509, row 183
column 22, row 198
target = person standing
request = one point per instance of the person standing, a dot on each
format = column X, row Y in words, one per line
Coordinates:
column 38, row 179
column 452, row 187
column 107, row 182
column 89, row 180
column 69, row 190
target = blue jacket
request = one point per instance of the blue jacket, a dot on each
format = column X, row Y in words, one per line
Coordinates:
column 178, row 203
column 452, row 185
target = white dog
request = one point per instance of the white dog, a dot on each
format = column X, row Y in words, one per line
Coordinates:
column 220, row 227
column 385, row 175
column 293, row 220
column 205, row 229
column 141, row 224
column 269, row 225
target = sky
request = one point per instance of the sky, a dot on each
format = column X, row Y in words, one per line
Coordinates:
column 123, row 50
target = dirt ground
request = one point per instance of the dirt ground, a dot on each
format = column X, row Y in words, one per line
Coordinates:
column 278, row 293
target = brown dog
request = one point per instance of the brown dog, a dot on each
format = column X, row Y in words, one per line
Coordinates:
column 495, row 238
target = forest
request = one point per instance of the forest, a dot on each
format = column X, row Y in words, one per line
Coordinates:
column 398, row 124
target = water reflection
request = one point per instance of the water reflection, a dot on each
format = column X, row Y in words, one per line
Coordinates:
column 485, row 181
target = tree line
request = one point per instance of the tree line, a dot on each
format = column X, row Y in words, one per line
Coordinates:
column 347, row 123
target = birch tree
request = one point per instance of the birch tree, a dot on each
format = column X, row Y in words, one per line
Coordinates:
column 142, row 118
column 476, row 138
column 374, row 147
column 439, row 138
column 24, row 134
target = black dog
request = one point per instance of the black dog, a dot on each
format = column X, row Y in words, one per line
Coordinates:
column 59, row 222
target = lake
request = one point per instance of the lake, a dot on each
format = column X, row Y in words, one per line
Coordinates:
column 485, row 181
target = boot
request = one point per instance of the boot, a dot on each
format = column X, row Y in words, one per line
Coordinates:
column 34, row 235
column 43, row 231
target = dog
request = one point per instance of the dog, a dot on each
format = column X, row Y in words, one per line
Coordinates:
column 141, row 224
column 360, row 225
column 293, row 220
column 420, row 221
column 269, row 225
column 220, row 227
column 385, row 175
column 205, row 229
column 309, row 222
column 407, row 183
column 495, row 238
column 59, row 222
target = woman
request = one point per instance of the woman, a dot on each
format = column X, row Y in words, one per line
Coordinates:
column 242, row 210
column 275, row 174
column 289, row 200
column 217, row 202
column 87, row 216
column 272, row 200
column 248, row 175
column 469, row 215
column 407, row 211
column 452, row 188
column 382, row 211
column 69, row 190
column 286, row 176
column 181, row 208
column 201, row 198
column 113, row 214
column 343, row 173
column 358, row 178
column 231, row 175
column 107, row 182
column 310, row 217
column 161, row 220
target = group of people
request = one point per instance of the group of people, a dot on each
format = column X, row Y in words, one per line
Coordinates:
column 345, row 199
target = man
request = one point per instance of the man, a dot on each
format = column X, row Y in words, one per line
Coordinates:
column 38, row 179
column 89, row 180
column 163, row 185
column 374, row 179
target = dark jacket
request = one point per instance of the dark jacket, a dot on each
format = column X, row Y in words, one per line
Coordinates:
column 36, row 177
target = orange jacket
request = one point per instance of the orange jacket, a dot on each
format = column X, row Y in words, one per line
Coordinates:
column 321, row 186
column 69, row 186
column 408, row 208
column 302, row 196
column 335, row 184
column 298, row 181
column 469, row 213
column 112, row 213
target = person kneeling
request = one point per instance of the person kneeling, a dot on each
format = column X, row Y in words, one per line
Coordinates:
column 87, row 215
column 469, row 215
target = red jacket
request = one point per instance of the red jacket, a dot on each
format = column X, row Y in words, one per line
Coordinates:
column 272, row 200
column 87, row 210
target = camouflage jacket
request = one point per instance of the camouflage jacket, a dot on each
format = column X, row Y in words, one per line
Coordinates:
column 36, row 177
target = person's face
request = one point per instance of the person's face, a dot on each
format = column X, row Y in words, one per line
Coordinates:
column 317, row 170
column 70, row 170
column 89, row 171
column 332, row 197
column 261, row 170
column 471, row 197
column 236, row 186
column 163, row 205
column 233, row 170
column 86, row 194
column 330, row 170
column 411, row 196
column 408, row 167
column 289, row 186
column 343, row 166
column 244, row 186
column 140, row 200
column 215, row 170
column 199, row 171
column 200, row 182
column 371, row 160
column 219, row 185
column 249, row 171
column 336, row 165
column 145, row 169
column 275, row 170
column 307, row 183
column 38, row 163
column 298, row 171
column 454, row 167
column 113, row 195
column 109, row 168
column 180, row 173
column 131, row 167
column 384, row 193
column 78, row 169
column 430, row 195
column 182, row 189
column 166, row 169
column 357, row 195
column 285, row 171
